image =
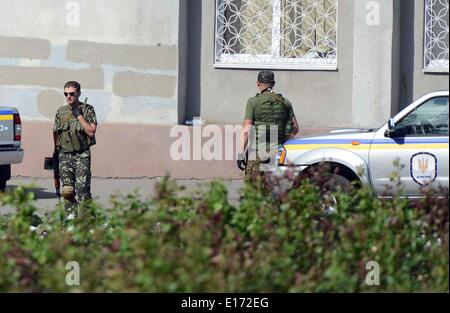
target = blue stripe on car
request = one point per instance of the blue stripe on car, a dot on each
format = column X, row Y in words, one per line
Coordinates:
column 368, row 141
column 6, row 112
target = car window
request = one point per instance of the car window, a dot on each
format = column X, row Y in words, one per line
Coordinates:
column 429, row 119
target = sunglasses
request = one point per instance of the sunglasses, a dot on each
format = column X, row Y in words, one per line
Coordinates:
column 70, row 94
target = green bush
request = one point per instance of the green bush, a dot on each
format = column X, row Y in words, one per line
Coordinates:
column 273, row 241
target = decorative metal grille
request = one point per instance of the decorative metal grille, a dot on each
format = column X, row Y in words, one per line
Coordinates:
column 436, row 34
column 276, row 33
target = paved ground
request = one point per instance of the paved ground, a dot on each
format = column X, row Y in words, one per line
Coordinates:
column 103, row 188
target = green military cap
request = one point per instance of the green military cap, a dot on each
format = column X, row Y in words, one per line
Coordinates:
column 266, row 77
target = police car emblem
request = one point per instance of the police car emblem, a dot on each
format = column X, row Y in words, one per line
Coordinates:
column 423, row 168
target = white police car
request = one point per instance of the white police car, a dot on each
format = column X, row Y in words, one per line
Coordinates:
column 417, row 137
column 10, row 142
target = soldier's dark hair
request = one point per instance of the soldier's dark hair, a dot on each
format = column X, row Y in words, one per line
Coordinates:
column 266, row 77
column 74, row 84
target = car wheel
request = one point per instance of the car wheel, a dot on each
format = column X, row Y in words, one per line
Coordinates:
column 5, row 175
column 336, row 182
column 2, row 185
column 328, row 179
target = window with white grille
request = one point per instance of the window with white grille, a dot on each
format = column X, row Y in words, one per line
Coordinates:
column 436, row 35
column 276, row 34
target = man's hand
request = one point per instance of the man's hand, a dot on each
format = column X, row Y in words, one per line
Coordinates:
column 294, row 129
column 76, row 111
column 241, row 161
column 89, row 129
column 242, row 157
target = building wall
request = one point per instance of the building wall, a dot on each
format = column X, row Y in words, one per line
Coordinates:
column 380, row 70
column 320, row 98
column 414, row 80
column 123, row 53
column 423, row 81
column 194, row 56
column 127, row 57
column 147, row 65
column 374, row 63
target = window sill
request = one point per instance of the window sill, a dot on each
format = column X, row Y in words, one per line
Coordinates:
column 303, row 67
column 436, row 70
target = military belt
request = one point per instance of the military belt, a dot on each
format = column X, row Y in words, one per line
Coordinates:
column 75, row 152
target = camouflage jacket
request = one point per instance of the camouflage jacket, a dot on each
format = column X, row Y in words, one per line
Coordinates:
column 71, row 135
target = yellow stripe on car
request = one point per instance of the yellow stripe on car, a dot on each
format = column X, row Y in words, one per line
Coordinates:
column 367, row 146
column 7, row 117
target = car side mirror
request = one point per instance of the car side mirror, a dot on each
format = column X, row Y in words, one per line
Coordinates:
column 391, row 128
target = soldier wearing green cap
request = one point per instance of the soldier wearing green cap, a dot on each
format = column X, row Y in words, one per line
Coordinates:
column 270, row 117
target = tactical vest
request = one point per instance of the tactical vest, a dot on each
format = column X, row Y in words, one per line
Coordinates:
column 270, row 110
column 72, row 137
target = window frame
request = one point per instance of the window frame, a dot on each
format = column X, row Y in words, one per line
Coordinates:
column 426, row 61
column 265, row 61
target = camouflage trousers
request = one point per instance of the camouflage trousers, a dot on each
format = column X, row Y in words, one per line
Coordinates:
column 253, row 170
column 259, row 162
column 75, row 171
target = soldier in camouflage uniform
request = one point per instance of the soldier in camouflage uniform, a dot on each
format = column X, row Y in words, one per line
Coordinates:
column 74, row 134
column 265, row 111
